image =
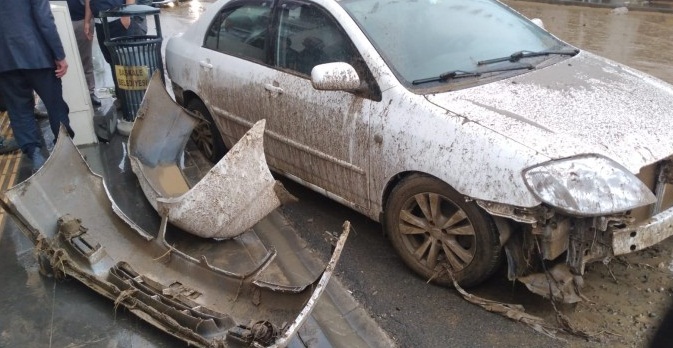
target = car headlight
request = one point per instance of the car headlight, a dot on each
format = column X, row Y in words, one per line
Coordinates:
column 587, row 185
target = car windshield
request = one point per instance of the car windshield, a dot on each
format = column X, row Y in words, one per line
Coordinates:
column 422, row 39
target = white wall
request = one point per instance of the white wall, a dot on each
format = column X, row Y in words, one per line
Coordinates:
column 75, row 90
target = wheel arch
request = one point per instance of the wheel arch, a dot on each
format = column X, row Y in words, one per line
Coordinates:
column 217, row 143
column 188, row 96
column 394, row 180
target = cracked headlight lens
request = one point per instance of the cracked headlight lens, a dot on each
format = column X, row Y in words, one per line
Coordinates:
column 587, row 186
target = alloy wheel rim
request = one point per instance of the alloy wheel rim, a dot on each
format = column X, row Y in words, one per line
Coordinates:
column 436, row 232
column 203, row 138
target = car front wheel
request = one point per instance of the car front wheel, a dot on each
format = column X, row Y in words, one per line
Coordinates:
column 205, row 135
column 433, row 227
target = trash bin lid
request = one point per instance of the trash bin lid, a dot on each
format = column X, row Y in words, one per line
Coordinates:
column 130, row 10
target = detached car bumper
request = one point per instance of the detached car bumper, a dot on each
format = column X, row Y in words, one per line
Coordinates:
column 250, row 291
column 643, row 235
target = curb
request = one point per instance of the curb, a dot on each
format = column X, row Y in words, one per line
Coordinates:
column 642, row 8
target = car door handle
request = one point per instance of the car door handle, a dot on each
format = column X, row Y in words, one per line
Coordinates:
column 206, row 64
column 273, row 89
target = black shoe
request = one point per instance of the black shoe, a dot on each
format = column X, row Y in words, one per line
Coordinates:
column 8, row 145
column 94, row 100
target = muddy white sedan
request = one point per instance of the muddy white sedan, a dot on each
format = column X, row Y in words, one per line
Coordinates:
column 467, row 130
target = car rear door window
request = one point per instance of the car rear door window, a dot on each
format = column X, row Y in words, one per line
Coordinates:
column 241, row 30
column 308, row 36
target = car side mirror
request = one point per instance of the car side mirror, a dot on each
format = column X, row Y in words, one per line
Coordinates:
column 337, row 76
column 538, row 22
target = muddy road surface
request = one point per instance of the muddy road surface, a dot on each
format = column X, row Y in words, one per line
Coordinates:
column 626, row 298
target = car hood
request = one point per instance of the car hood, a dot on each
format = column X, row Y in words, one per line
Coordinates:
column 585, row 104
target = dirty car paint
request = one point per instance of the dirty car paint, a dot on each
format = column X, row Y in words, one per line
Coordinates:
column 478, row 135
column 587, row 104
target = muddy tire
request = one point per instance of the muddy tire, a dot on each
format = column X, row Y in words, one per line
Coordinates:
column 205, row 135
column 430, row 225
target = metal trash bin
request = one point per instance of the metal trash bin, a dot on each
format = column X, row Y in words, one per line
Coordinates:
column 135, row 58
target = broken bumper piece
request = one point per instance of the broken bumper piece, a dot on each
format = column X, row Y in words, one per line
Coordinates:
column 211, row 294
column 646, row 234
column 236, row 193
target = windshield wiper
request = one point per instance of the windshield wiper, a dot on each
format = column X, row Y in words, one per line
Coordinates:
column 514, row 57
column 456, row 74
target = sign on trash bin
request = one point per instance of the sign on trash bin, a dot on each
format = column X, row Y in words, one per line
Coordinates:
column 134, row 57
column 132, row 78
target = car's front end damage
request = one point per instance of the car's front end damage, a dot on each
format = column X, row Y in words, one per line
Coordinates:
column 599, row 180
column 548, row 246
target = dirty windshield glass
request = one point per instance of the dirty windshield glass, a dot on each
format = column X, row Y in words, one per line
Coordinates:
column 421, row 39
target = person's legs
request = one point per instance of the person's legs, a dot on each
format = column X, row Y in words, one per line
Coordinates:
column 50, row 90
column 3, row 108
column 100, row 36
column 116, row 29
column 18, row 94
column 84, row 45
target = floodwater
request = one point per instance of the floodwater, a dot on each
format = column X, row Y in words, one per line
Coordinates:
column 641, row 40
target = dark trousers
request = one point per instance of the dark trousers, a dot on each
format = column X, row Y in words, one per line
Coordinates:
column 138, row 26
column 17, row 88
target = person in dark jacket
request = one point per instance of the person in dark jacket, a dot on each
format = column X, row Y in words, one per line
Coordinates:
column 31, row 58
column 118, row 27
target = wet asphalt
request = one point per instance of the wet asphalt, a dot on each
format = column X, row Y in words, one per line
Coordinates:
column 37, row 311
column 414, row 313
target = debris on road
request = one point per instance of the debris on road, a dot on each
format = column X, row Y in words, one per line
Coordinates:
column 236, row 193
column 208, row 293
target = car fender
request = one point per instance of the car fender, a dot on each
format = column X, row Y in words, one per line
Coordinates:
column 474, row 160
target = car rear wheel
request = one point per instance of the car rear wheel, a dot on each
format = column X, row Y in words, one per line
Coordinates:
column 205, row 135
column 432, row 226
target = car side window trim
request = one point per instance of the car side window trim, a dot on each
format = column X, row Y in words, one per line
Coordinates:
column 241, row 29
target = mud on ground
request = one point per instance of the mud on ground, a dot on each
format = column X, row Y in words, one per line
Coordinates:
column 629, row 297
column 626, row 299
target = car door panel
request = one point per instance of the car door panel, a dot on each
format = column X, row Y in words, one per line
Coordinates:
column 232, row 69
column 323, row 135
